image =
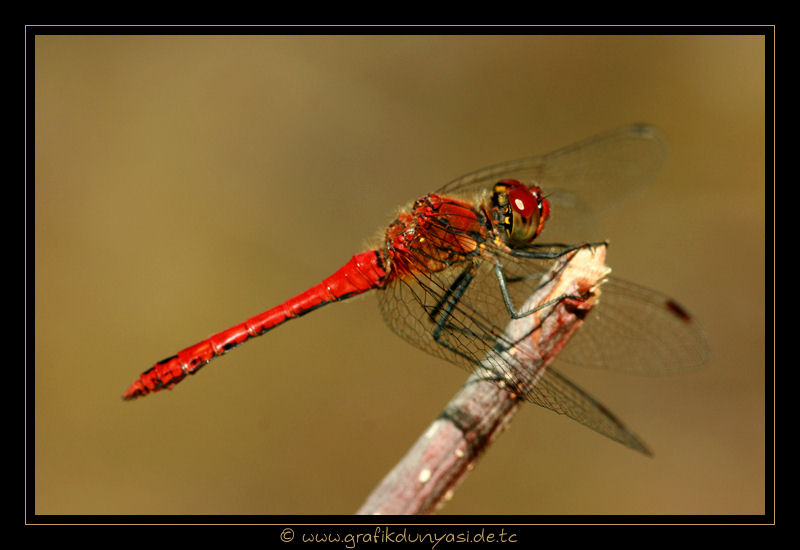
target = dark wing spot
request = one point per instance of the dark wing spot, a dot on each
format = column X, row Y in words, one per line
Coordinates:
column 675, row 308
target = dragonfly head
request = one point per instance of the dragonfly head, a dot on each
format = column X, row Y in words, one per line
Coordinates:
column 521, row 210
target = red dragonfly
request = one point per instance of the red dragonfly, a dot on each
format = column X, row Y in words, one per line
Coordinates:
column 454, row 268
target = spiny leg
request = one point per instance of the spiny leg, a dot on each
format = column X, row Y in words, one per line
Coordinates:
column 547, row 255
column 445, row 316
column 531, row 251
column 441, row 314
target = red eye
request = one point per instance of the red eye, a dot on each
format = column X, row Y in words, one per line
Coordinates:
column 523, row 201
column 544, row 205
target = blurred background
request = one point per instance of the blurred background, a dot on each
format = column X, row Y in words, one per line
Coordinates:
column 186, row 183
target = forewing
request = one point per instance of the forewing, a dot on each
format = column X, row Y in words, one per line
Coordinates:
column 581, row 180
column 635, row 329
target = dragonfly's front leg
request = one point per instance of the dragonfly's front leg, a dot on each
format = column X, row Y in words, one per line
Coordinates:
column 552, row 251
column 548, row 254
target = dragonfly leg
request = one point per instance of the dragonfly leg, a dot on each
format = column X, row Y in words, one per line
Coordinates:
column 512, row 311
column 544, row 251
column 548, row 254
column 442, row 312
column 443, row 315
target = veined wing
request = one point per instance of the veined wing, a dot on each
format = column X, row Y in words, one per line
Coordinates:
column 638, row 330
column 588, row 177
column 632, row 329
column 458, row 314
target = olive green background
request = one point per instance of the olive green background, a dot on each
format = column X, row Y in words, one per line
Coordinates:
column 183, row 184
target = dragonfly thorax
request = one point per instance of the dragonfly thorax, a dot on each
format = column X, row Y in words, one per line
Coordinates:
column 434, row 234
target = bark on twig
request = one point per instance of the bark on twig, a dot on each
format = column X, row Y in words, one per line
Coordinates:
column 429, row 473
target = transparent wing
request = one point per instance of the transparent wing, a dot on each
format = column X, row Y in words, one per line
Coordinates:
column 554, row 391
column 458, row 314
column 589, row 177
column 638, row 330
column 632, row 329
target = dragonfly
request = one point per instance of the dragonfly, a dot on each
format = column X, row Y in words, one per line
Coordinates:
column 458, row 264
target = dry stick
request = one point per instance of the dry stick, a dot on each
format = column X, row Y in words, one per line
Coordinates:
column 432, row 469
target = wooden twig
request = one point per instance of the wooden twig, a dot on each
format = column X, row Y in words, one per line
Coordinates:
column 426, row 477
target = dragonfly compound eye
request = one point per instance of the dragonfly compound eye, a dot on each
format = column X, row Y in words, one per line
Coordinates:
column 523, row 210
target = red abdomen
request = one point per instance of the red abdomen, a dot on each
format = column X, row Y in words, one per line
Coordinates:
column 363, row 272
